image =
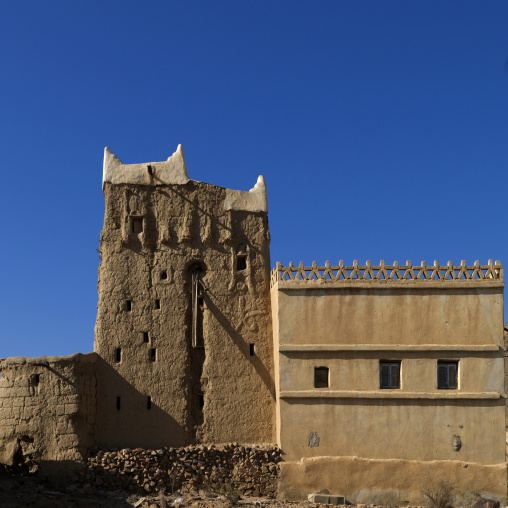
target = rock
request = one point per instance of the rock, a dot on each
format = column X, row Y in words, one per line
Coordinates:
column 481, row 502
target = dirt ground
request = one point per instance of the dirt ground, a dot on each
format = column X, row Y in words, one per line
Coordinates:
column 31, row 492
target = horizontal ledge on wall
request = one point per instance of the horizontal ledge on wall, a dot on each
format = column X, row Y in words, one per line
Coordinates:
column 309, row 348
column 386, row 394
column 387, row 284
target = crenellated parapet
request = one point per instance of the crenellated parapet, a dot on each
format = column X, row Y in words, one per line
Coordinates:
column 388, row 274
column 174, row 171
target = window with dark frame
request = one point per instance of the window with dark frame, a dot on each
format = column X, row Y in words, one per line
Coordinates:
column 447, row 375
column 321, row 377
column 389, row 375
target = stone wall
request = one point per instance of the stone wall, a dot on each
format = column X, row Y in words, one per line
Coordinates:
column 247, row 470
column 47, row 410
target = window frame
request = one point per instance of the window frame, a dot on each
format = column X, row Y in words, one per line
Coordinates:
column 446, row 385
column 391, row 364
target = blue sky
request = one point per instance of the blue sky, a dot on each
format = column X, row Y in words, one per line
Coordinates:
column 380, row 127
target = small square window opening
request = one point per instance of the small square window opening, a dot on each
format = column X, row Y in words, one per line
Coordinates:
column 447, row 375
column 137, row 225
column 241, row 262
column 389, row 375
column 321, row 377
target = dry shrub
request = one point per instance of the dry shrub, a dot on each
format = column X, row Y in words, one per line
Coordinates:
column 436, row 492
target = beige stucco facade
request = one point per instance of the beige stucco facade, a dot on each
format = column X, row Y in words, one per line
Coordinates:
column 351, row 325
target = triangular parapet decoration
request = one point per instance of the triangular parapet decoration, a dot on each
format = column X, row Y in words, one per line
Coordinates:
column 172, row 171
column 390, row 275
column 255, row 200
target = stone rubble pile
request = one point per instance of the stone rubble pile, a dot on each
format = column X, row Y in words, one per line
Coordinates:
column 230, row 469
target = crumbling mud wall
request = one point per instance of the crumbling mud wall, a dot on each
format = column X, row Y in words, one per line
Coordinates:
column 183, row 326
column 47, row 411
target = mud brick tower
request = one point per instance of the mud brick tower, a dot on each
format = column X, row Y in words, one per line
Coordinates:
column 183, row 329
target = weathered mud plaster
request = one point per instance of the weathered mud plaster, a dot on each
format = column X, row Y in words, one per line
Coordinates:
column 47, row 411
column 172, row 171
column 255, row 200
column 389, row 482
column 183, row 325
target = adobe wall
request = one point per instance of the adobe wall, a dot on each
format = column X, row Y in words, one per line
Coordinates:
column 349, row 330
column 154, row 388
column 384, row 428
column 390, row 482
column 369, row 314
column 345, row 322
column 47, row 410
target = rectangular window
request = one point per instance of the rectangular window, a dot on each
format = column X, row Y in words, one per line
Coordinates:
column 251, row 350
column 118, row 355
column 128, row 305
column 146, row 338
column 321, row 377
column 389, row 375
column 447, row 375
column 118, row 403
column 241, row 262
column 153, row 355
column 149, row 402
column 137, row 225
column 157, row 304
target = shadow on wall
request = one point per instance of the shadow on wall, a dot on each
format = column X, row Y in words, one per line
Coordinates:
column 127, row 418
column 241, row 344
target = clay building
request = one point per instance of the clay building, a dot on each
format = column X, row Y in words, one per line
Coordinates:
column 389, row 373
column 367, row 377
column 183, row 327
